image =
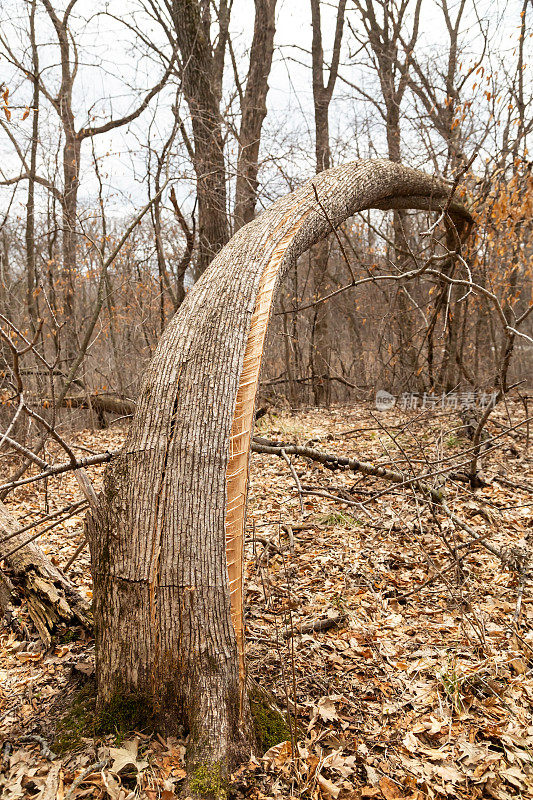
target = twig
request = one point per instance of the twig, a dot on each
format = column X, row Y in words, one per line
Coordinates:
column 296, row 480
column 85, row 774
column 519, row 599
column 58, row 469
column 68, row 510
column 26, row 452
column 45, row 749
column 74, row 556
column 36, row 535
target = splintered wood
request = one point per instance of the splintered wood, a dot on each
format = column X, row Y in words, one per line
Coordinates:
column 241, row 431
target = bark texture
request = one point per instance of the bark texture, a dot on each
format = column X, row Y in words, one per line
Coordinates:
column 51, row 597
column 166, row 541
column 202, row 86
column 322, row 94
column 254, row 111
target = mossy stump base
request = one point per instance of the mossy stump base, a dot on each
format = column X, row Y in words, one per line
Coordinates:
column 84, row 719
column 271, row 725
column 209, row 781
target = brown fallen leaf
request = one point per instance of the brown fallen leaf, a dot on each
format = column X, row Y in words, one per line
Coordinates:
column 327, row 709
column 329, row 788
column 125, row 758
column 519, row 666
column 389, row 790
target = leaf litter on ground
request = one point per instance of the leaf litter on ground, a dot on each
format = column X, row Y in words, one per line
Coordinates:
column 406, row 695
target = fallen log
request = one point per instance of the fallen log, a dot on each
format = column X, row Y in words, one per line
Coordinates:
column 317, row 625
column 51, row 598
column 107, row 403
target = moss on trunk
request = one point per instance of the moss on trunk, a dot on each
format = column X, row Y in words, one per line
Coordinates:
column 270, row 725
column 209, row 781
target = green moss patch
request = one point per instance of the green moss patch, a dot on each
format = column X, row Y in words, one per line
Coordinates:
column 209, row 780
column 82, row 720
column 78, row 722
column 270, row 725
column 121, row 716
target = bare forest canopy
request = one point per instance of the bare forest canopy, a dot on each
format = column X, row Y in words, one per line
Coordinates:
column 106, row 110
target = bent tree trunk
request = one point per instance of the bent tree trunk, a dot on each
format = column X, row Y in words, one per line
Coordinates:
column 167, row 538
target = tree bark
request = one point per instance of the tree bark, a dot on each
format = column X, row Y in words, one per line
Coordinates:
column 51, row 597
column 167, row 539
column 254, row 111
column 31, row 272
column 322, row 94
column 71, row 167
column 202, row 86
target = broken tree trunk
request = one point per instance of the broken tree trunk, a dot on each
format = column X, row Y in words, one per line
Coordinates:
column 167, row 538
column 100, row 403
column 52, row 599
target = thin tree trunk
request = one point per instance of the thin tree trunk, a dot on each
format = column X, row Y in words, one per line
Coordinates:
column 254, row 111
column 322, row 94
column 167, row 539
column 31, row 278
column 202, row 87
column 71, row 165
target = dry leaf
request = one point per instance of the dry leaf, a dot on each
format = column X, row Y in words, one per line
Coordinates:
column 54, row 781
column 329, row 788
column 277, row 754
column 389, row 790
column 125, row 758
column 327, row 710
column 113, row 786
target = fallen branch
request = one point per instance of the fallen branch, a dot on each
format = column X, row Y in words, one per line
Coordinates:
column 45, row 751
column 334, row 462
column 65, row 513
column 58, row 469
column 316, row 626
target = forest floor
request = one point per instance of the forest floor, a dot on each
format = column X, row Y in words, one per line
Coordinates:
column 413, row 691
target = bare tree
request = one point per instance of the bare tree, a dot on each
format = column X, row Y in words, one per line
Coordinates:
column 441, row 95
column 73, row 137
column 188, row 25
column 167, row 539
column 384, row 23
column 322, row 94
column 253, row 111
